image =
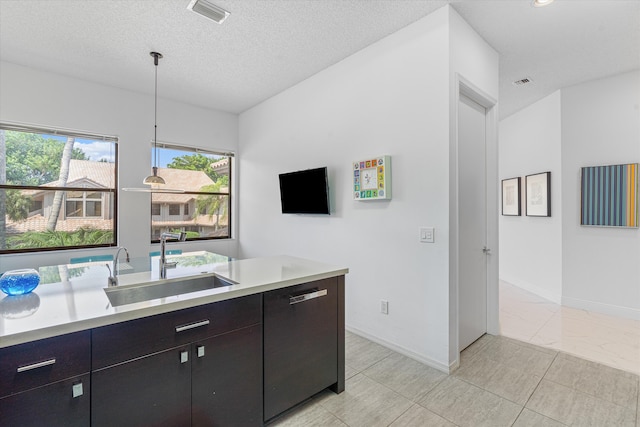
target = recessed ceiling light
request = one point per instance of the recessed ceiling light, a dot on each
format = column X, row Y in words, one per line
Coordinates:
column 541, row 3
column 208, row 10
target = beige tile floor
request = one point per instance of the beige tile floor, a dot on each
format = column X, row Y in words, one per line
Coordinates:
column 541, row 371
column 597, row 337
column 500, row 382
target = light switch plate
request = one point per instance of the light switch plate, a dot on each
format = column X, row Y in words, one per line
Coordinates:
column 427, row 234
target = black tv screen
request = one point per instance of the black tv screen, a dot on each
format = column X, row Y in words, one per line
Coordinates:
column 305, row 192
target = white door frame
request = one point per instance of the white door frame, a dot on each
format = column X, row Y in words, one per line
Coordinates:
column 464, row 86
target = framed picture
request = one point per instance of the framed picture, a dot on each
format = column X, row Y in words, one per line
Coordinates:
column 511, row 200
column 609, row 196
column 538, row 187
column 372, row 179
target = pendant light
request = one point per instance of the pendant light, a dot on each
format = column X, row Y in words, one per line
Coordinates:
column 155, row 179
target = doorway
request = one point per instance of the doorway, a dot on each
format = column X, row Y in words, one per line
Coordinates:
column 472, row 225
column 474, row 236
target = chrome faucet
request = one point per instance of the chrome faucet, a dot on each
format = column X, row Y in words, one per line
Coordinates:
column 164, row 265
column 113, row 280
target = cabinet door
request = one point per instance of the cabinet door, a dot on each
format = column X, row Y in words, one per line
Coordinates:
column 227, row 379
column 38, row 363
column 149, row 391
column 64, row 403
column 300, row 343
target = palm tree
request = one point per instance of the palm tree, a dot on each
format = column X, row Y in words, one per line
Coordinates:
column 3, row 180
column 62, row 181
column 212, row 203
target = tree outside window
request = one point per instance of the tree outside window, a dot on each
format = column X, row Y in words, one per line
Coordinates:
column 51, row 179
column 205, row 179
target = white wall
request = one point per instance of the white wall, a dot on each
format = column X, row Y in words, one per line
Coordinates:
column 36, row 97
column 590, row 124
column 531, row 247
column 474, row 64
column 390, row 98
column 600, row 126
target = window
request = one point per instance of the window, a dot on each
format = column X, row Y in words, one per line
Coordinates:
column 205, row 178
column 174, row 209
column 82, row 204
column 58, row 190
column 155, row 209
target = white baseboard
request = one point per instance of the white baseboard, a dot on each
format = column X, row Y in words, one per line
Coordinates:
column 598, row 307
column 536, row 290
column 404, row 351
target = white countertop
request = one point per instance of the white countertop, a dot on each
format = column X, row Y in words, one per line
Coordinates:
column 79, row 303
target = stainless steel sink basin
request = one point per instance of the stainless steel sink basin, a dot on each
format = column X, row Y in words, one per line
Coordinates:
column 129, row 294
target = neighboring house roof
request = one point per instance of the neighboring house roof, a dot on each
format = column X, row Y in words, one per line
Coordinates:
column 39, row 223
column 101, row 174
column 221, row 166
column 181, row 179
column 89, row 174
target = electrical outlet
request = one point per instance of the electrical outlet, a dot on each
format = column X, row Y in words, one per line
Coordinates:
column 427, row 234
column 384, row 307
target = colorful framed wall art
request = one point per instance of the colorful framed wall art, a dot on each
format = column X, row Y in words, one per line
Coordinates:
column 372, row 179
column 538, row 188
column 609, row 196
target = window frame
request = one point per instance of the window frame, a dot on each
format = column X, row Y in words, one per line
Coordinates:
column 112, row 193
column 190, row 150
column 84, row 200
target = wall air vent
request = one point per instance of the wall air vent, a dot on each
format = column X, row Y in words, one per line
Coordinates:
column 208, row 10
column 522, row 82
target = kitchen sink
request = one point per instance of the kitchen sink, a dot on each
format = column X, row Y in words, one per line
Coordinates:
column 129, row 294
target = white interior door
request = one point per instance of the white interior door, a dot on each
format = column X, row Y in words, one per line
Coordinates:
column 472, row 196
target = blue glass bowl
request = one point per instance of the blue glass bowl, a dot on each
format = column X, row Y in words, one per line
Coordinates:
column 19, row 282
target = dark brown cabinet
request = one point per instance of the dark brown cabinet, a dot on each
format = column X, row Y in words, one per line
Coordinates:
column 46, row 382
column 211, row 374
column 303, row 343
column 238, row 362
column 226, row 382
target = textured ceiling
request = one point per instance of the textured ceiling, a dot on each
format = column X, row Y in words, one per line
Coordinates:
column 267, row 46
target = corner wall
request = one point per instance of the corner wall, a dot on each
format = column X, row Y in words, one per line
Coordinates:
column 531, row 247
column 591, row 268
column 390, row 98
column 31, row 96
column 600, row 126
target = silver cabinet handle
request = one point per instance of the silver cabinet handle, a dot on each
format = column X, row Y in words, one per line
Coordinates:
column 184, row 356
column 37, row 365
column 307, row 297
column 192, row 325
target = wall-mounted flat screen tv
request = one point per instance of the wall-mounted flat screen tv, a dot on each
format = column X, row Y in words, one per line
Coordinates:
column 305, row 192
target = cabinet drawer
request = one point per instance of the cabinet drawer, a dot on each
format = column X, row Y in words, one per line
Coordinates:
column 33, row 364
column 127, row 340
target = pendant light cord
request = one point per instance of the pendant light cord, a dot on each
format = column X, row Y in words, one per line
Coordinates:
column 155, row 118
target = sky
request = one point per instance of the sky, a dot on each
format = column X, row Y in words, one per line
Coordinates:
column 99, row 150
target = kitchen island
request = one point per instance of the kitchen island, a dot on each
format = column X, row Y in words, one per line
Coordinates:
column 273, row 332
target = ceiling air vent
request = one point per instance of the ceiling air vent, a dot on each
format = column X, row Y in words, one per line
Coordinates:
column 523, row 82
column 208, row 10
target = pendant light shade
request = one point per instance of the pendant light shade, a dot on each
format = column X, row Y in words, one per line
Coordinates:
column 154, row 178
